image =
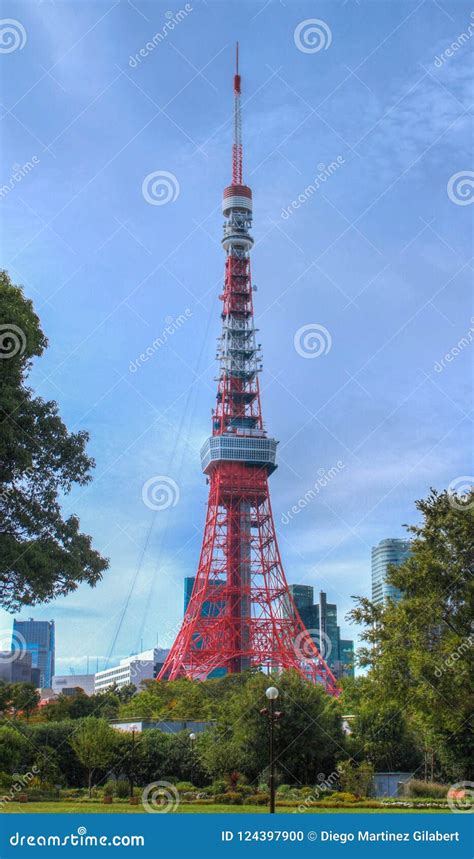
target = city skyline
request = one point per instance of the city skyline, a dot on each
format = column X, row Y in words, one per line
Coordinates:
column 378, row 257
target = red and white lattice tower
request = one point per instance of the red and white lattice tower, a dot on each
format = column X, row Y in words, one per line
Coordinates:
column 241, row 614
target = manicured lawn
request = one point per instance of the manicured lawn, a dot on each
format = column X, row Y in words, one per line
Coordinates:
column 123, row 808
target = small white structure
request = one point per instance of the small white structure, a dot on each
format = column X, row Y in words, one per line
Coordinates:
column 131, row 670
column 67, row 682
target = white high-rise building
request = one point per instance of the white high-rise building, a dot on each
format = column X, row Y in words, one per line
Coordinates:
column 131, row 670
column 390, row 551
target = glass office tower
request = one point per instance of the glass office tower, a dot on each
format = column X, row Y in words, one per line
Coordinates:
column 38, row 638
column 390, row 551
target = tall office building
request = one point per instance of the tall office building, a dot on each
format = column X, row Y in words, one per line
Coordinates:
column 209, row 609
column 390, row 551
column 15, row 667
column 37, row 637
column 321, row 620
column 303, row 595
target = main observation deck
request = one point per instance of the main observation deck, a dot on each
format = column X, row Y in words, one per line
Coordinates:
column 250, row 449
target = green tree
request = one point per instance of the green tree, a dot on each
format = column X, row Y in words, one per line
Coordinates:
column 94, row 745
column 129, row 749
column 381, row 735
column 57, row 736
column 356, row 779
column 308, row 737
column 47, row 766
column 25, row 698
column 5, row 697
column 43, row 555
column 419, row 650
column 13, row 749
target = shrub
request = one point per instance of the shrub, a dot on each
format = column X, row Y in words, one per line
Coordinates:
column 109, row 788
column 73, row 793
column 342, row 796
column 184, row 786
column 218, row 786
column 290, row 803
column 231, row 797
column 122, row 789
column 259, row 798
column 234, row 778
column 6, row 780
column 284, row 789
column 357, row 780
column 430, row 789
column 41, row 795
column 244, row 789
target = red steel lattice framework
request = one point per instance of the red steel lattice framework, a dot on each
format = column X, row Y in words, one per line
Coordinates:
column 241, row 614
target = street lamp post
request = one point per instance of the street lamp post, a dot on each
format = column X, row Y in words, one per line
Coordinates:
column 192, row 740
column 132, row 764
column 272, row 695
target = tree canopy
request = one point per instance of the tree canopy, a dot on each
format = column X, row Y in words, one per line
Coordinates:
column 43, row 555
column 419, row 650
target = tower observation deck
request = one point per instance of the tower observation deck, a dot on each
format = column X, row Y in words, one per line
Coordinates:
column 250, row 619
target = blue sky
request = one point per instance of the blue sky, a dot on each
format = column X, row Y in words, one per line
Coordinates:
column 380, row 255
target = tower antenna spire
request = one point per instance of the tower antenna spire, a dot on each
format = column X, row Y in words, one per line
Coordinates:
column 237, row 144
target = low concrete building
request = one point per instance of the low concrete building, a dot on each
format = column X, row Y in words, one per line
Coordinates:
column 168, row 726
column 390, row 784
column 67, row 683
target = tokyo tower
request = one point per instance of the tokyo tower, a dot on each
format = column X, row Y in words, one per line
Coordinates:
column 241, row 614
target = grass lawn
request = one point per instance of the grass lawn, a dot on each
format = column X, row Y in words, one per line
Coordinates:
column 123, row 808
